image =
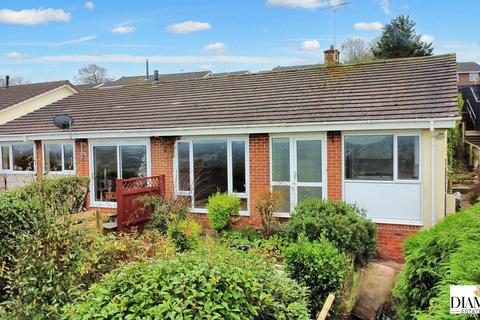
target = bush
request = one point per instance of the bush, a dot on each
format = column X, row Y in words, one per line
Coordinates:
column 185, row 234
column 266, row 206
column 217, row 284
column 165, row 210
column 319, row 265
column 221, row 206
column 445, row 255
column 341, row 223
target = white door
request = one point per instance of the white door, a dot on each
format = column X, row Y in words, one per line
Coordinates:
column 297, row 170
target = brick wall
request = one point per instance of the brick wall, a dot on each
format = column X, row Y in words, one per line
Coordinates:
column 82, row 162
column 391, row 238
column 334, row 165
column 162, row 152
column 39, row 157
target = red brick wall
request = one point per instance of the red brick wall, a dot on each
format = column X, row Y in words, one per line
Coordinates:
column 39, row 157
column 464, row 80
column 82, row 165
column 162, row 151
column 334, row 165
column 391, row 238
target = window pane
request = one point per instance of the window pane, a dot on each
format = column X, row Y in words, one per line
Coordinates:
column 238, row 166
column 244, row 204
column 105, row 172
column 309, row 160
column 281, row 159
column 210, row 169
column 5, row 158
column 369, row 158
column 408, row 158
column 134, row 161
column 23, row 159
column 305, row 193
column 183, row 166
column 53, row 157
column 68, row 157
column 284, row 198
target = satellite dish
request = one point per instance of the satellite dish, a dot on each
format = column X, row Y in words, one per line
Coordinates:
column 63, row 121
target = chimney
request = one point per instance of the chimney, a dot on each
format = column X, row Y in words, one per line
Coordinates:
column 146, row 65
column 7, row 81
column 156, row 77
column 332, row 57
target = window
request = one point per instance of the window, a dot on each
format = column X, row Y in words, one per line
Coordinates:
column 58, row 157
column 382, row 157
column 5, row 150
column 473, row 76
column 23, row 158
column 207, row 166
column 116, row 161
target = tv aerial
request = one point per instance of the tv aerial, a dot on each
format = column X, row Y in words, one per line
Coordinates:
column 63, row 121
column 335, row 7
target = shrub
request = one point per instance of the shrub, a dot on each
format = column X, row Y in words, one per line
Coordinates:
column 165, row 210
column 253, row 240
column 185, row 234
column 343, row 224
column 217, row 284
column 221, row 206
column 266, row 206
column 445, row 255
column 319, row 265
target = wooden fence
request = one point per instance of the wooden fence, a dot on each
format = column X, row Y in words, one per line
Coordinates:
column 130, row 209
column 472, row 154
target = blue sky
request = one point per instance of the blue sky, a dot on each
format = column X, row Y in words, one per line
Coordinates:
column 51, row 40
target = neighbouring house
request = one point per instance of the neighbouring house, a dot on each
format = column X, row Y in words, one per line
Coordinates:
column 468, row 73
column 373, row 134
column 129, row 80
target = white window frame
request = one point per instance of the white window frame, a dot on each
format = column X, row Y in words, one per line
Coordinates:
column 113, row 143
column 395, row 135
column 63, row 143
column 191, row 193
column 293, row 183
column 10, row 158
column 473, row 76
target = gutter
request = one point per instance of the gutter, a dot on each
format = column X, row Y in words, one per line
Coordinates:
column 363, row 125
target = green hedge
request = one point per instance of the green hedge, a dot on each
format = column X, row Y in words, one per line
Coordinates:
column 218, row 284
column 445, row 255
column 343, row 224
column 222, row 206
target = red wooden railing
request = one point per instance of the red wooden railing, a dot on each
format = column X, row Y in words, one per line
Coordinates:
column 130, row 209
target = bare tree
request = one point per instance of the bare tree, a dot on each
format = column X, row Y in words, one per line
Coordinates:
column 92, row 74
column 355, row 50
column 14, row 80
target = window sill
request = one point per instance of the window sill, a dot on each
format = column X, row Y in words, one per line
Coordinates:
column 384, row 181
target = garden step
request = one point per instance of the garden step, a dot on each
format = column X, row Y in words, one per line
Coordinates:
column 109, row 226
column 461, row 188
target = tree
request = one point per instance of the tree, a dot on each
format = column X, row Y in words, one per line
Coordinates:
column 92, row 74
column 399, row 40
column 14, row 80
column 355, row 50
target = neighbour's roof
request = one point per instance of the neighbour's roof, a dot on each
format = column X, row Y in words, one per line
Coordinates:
column 18, row 93
column 468, row 67
column 396, row 89
column 302, row 66
column 163, row 77
column 231, row 73
column 86, row 86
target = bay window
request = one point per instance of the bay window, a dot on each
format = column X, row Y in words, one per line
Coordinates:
column 207, row 166
column 17, row 157
column 59, row 157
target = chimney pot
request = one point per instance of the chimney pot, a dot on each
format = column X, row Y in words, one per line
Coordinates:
column 332, row 56
column 156, row 77
column 7, row 81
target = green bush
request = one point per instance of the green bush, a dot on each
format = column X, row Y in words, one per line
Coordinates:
column 165, row 210
column 343, row 224
column 445, row 255
column 254, row 240
column 185, row 234
column 319, row 265
column 218, row 284
column 221, row 206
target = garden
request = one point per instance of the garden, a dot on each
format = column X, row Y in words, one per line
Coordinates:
column 174, row 269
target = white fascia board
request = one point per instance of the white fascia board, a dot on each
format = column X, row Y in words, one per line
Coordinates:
column 439, row 123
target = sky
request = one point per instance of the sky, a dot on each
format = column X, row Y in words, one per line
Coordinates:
column 51, row 40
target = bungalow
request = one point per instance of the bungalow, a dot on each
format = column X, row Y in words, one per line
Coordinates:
column 372, row 134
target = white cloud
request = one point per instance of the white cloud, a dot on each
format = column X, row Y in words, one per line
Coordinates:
column 308, row 45
column 216, row 46
column 74, row 41
column 306, row 4
column 427, row 38
column 15, row 55
column 206, row 67
column 123, row 29
column 368, row 26
column 385, row 5
column 89, row 5
column 188, row 27
column 33, row 16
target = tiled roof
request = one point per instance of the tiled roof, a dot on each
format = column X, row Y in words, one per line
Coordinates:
column 15, row 94
column 412, row 88
column 163, row 77
column 468, row 66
